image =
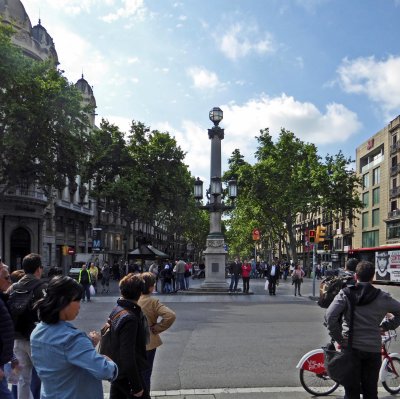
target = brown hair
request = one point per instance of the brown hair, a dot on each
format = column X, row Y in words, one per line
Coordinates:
column 365, row 271
column 131, row 286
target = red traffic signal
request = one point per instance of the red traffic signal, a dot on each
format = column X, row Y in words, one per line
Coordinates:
column 311, row 236
column 256, row 234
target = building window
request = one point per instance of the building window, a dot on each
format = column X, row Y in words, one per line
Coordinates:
column 376, row 193
column 393, row 206
column 375, row 217
column 365, row 220
column 370, row 239
column 366, row 181
column 393, row 230
column 365, row 199
column 59, row 224
column 376, row 176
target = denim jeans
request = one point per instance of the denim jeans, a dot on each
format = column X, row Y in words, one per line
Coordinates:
column 5, row 393
column 234, row 282
column 22, row 350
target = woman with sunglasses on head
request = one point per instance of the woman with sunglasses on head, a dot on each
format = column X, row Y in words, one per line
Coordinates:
column 64, row 357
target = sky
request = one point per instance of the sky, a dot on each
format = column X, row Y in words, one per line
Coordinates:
column 328, row 70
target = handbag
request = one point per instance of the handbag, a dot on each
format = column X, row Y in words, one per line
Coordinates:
column 340, row 364
column 92, row 290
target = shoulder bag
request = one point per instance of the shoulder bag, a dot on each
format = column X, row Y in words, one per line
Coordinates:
column 340, row 364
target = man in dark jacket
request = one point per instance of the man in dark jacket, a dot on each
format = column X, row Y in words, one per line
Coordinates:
column 129, row 325
column 6, row 331
column 25, row 323
column 372, row 305
column 235, row 269
column 85, row 280
column 273, row 272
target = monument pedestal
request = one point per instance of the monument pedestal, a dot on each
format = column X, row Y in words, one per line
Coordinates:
column 215, row 261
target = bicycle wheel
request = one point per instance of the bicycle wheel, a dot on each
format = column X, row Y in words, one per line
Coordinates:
column 392, row 381
column 317, row 384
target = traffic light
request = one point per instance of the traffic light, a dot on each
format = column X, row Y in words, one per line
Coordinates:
column 320, row 236
column 65, row 250
column 311, row 236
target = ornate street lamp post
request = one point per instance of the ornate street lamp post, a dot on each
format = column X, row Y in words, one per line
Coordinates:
column 215, row 253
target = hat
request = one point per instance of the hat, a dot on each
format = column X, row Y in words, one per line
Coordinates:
column 382, row 255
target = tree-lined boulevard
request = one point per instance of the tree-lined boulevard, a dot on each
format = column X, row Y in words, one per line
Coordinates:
column 232, row 341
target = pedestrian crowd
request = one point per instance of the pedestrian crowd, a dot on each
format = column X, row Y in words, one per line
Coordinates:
column 44, row 356
column 272, row 272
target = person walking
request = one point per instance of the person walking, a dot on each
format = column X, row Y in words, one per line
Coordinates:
column 273, row 272
column 159, row 318
column 246, row 273
column 130, row 328
column 371, row 307
column 94, row 275
column 180, row 267
column 105, row 278
column 235, row 269
column 25, row 321
column 64, row 357
column 85, row 280
column 297, row 278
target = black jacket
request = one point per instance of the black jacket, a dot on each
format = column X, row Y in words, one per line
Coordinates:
column 6, row 332
column 235, row 268
column 277, row 272
column 130, row 345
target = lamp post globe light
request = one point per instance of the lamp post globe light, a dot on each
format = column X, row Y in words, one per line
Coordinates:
column 215, row 253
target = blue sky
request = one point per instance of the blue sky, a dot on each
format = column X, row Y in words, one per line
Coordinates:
column 329, row 70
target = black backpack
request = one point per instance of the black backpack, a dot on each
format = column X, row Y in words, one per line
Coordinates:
column 20, row 305
column 330, row 287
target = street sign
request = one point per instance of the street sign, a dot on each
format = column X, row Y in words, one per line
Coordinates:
column 96, row 239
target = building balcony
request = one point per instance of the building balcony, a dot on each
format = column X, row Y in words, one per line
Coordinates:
column 394, row 147
column 395, row 214
column 348, row 230
column 30, row 194
column 394, row 192
column 394, row 170
column 74, row 207
column 373, row 163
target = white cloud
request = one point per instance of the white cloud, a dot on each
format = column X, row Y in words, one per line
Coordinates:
column 238, row 42
column 128, row 8
column 378, row 79
column 336, row 124
column 133, row 60
column 81, row 57
column 242, row 123
column 202, row 78
column 71, row 7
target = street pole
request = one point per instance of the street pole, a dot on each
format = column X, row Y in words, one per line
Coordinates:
column 314, row 267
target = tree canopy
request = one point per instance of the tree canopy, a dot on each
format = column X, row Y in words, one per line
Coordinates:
column 43, row 126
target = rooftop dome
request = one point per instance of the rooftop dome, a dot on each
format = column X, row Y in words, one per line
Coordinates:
column 84, row 86
column 45, row 41
column 14, row 12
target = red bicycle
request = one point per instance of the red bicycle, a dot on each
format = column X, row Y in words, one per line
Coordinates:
column 315, row 380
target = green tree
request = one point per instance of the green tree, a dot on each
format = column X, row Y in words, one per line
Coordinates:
column 43, row 127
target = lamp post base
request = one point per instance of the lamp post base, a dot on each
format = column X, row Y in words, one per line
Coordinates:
column 215, row 260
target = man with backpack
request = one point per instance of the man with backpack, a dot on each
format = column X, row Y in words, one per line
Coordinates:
column 23, row 295
column 371, row 306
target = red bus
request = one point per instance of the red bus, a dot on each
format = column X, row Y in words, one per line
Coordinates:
column 386, row 260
